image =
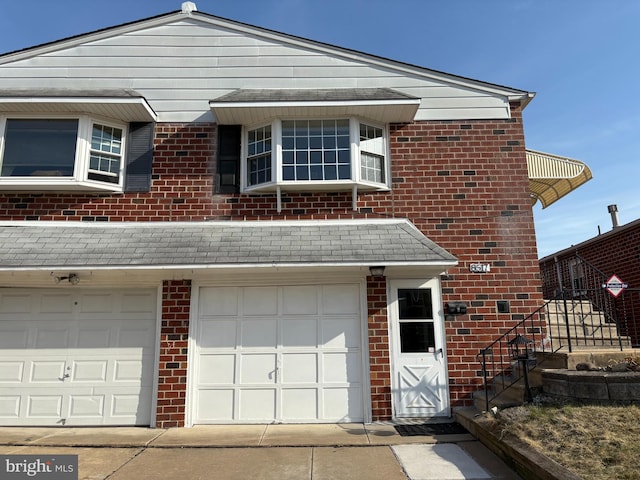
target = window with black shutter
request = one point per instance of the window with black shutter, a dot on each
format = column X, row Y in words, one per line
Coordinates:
column 228, row 171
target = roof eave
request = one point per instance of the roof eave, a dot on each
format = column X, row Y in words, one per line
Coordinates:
column 128, row 109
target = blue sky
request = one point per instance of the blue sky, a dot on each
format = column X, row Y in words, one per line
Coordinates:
column 581, row 57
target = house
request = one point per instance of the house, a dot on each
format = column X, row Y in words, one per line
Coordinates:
column 603, row 270
column 207, row 222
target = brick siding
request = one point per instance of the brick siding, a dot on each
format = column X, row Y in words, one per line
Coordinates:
column 463, row 183
column 614, row 252
column 380, row 366
column 174, row 338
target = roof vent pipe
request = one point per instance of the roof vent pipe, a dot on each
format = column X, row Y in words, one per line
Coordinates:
column 188, row 7
column 613, row 210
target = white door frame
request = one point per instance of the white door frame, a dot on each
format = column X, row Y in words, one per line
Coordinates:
column 436, row 358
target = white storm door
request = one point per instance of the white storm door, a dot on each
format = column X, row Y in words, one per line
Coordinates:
column 420, row 385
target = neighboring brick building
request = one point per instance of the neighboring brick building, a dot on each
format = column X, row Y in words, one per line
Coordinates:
column 204, row 254
column 615, row 252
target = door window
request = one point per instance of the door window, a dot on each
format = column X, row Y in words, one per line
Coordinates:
column 417, row 332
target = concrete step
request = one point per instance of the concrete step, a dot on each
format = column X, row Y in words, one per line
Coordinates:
column 511, row 397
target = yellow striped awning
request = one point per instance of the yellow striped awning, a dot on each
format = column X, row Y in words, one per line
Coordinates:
column 551, row 177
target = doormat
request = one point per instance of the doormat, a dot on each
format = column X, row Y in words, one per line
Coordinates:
column 430, row 429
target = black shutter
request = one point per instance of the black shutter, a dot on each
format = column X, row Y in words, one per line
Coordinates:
column 228, row 172
column 139, row 157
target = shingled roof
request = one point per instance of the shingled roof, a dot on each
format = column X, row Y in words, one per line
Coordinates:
column 354, row 242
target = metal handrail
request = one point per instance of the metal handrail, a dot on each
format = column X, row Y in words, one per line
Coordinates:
column 530, row 332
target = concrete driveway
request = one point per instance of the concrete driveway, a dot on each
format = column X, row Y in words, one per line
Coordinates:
column 349, row 451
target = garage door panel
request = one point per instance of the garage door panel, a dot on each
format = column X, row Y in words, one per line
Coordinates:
column 11, row 371
column 299, row 368
column 9, row 406
column 299, row 332
column 135, row 337
column 299, row 404
column 218, row 301
column 48, row 371
column 340, row 332
column 104, row 354
column 256, row 404
column 290, row 354
column 138, row 371
column 217, row 369
column 258, row 368
column 341, row 367
column 218, row 333
column 134, row 302
column 47, row 337
column 14, row 338
column 86, row 406
column 95, row 337
column 97, row 303
column 342, row 403
column 298, row 300
column 216, row 405
column 49, row 406
column 258, row 333
column 262, row 301
column 12, row 304
column 89, row 371
column 126, row 406
column 56, row 304
column 340, row 299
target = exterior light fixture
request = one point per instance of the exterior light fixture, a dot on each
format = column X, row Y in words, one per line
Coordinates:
column 377, row 271
column 72, row 278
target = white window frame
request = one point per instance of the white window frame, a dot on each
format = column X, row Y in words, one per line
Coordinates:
column 79, row 180
column 277, row 181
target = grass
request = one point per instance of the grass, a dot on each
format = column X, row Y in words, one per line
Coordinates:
column 594, row 442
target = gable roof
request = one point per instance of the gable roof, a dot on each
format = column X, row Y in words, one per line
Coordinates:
column 206, row 17
column 363, row 67
column 26, row 246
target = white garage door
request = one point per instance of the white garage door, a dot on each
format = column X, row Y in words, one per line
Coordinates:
column 76, row 357
column 279, row 354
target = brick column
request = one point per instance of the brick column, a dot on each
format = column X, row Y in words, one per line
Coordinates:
column 174, row 337
column 379, row 364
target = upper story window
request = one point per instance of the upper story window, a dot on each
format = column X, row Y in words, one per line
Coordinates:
column 75, row 140
column 312, row 139
column 314, row 154
column 61, row 151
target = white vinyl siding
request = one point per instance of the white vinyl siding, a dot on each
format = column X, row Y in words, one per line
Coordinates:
column 209, row 60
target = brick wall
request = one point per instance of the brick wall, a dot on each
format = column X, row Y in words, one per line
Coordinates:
column 379, row 364
column 463, row 183
column 174, row 337
column 614, row 252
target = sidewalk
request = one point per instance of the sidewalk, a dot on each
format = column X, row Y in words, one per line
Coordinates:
column 318, row 452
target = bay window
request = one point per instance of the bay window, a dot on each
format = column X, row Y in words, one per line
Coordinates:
column 316, row 154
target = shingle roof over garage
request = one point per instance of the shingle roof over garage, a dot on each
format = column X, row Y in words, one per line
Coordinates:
column 357, row 242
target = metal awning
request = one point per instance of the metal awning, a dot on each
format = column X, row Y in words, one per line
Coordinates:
column 551, row 177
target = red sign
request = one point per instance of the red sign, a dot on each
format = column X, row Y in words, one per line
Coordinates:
column 615, row 286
